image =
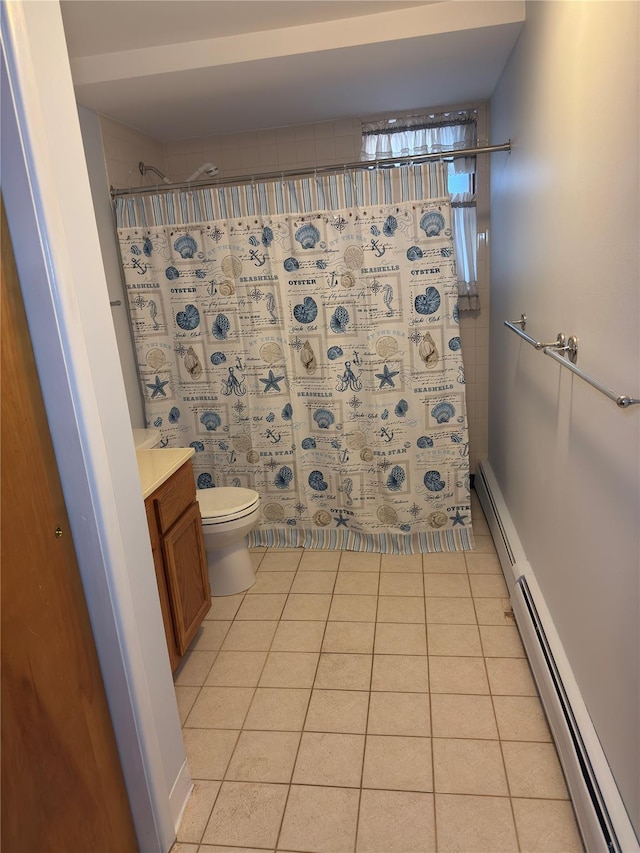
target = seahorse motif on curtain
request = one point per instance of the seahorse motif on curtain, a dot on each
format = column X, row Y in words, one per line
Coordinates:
column 315, row 358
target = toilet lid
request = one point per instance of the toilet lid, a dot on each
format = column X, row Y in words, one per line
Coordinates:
column 225, row 501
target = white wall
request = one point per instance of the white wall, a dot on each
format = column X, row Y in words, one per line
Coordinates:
column 565, row 230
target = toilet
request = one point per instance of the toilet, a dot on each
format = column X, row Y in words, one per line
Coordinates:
column 229, row 514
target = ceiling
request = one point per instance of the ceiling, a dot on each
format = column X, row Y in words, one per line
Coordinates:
column 179, row 69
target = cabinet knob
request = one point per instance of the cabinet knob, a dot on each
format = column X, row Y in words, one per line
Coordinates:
column 58, row 533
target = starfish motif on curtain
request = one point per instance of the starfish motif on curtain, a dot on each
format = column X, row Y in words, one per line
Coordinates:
column 386, row 377
column 157, row 387
column 458, row 519
column 271, row 382
column 341, row 521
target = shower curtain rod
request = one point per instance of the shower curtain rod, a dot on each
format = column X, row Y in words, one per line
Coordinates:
column 301, row 173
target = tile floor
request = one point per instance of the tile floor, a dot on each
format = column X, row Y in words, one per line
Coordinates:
column 366, row 703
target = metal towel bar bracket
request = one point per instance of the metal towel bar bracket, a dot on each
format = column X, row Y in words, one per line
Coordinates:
column 565, row 352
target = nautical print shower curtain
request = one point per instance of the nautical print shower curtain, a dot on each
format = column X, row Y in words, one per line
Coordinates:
column 303, row 337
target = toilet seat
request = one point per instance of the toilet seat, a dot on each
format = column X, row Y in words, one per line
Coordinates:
column 226, row 503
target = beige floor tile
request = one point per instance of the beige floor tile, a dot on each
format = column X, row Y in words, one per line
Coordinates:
column 521, row 718
column 329, row 758
column 262, row 606
column 457, row 675
column 480, row 526
column 396, row 822
column 210, row 636
column 467, row 824
column 194, row 668
column 450, row 586
column 178, row 847
column 256, row 559
column 343, row 711
column 395, row 763
column 224, row 607
column 400, row 673
column 320, row 820
column 247, row 813
column 216, row 848
column 399, row 714
column 208, row 751
column 309, row 582
column 501, row 642
column 510, row 677
column 484, row 544
column 302, row 636
column 264, row 756
column 456, row 640
column 484, row 564
column 463, row 716
column 401, row 563
column 281, row 561
column 344, row 672
column 357, row 583
column 547, row 825
column 494, row 611
column 450, row 611
column 269, row 582
column 196, row 812
column 444, row 563
column 352, row 561
column 354, row 637
column 463, row 766
column 533, row 770
column 186, row 697
column 353, row 608
column 319, row 561
column 401, row 583
column 392, row 608
column 250, row 636
column 393, row 638
column 220, row 708
column 278, row 709
column 236, row 669
column 289, row 669
column 302, row 606
column 488, row 586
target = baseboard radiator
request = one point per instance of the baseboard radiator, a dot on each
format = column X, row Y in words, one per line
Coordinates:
column 600, row 812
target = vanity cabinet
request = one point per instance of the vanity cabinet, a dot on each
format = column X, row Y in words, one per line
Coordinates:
column 175, row 528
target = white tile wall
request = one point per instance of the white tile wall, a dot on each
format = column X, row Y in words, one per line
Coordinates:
column 301, row 147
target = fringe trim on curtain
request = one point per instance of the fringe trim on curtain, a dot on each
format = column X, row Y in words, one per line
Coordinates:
column 442, row 541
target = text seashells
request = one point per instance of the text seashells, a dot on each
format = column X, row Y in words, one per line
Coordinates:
column 317, row 481
column 334, row 352
column 424, row 441
column 433, row 482
column 186, row 246
column 306, row 311
column 402, row 408
column 432, row 223
column 443, row 412
column 192, row 364
column 427, row 302
column 188, row 319
column 414, row 253
column 291, row 265
column 396, row 478
column 226, row 288
column 273, row 512
column 283, row 477
column 387, row 515
column 198, row 446
column 205, row 481
column 220, row 327
column 324, row 418
column 428, row 351
column 231, row 266
column 437, row 519
column 390, row 225
column 322, row 518
column 339, row 320
column 155, row 358
column 174, row 415
column 172, row 273
column 386, row 346
column 353, row 257
column 270, row 352
column 210, row 421
column 218, row 358
column 307, row 235
column 308, row 443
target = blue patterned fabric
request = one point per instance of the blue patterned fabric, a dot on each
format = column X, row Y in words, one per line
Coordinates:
column 315, row 358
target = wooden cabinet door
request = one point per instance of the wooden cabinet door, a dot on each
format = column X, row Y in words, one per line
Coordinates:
column 163, row 589
column 187, row 576
column 62, row 785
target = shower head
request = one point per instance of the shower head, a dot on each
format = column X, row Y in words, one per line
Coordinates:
column 144, row 169
column 207, row 169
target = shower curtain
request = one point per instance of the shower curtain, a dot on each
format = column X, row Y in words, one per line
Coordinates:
column 302, row 336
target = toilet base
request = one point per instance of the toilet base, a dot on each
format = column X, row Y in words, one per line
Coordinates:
column 231, row 569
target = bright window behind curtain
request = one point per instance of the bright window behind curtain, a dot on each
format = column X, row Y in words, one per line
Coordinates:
column 427, row 134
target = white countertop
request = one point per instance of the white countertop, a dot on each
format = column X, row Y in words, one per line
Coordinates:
column 158, row 464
